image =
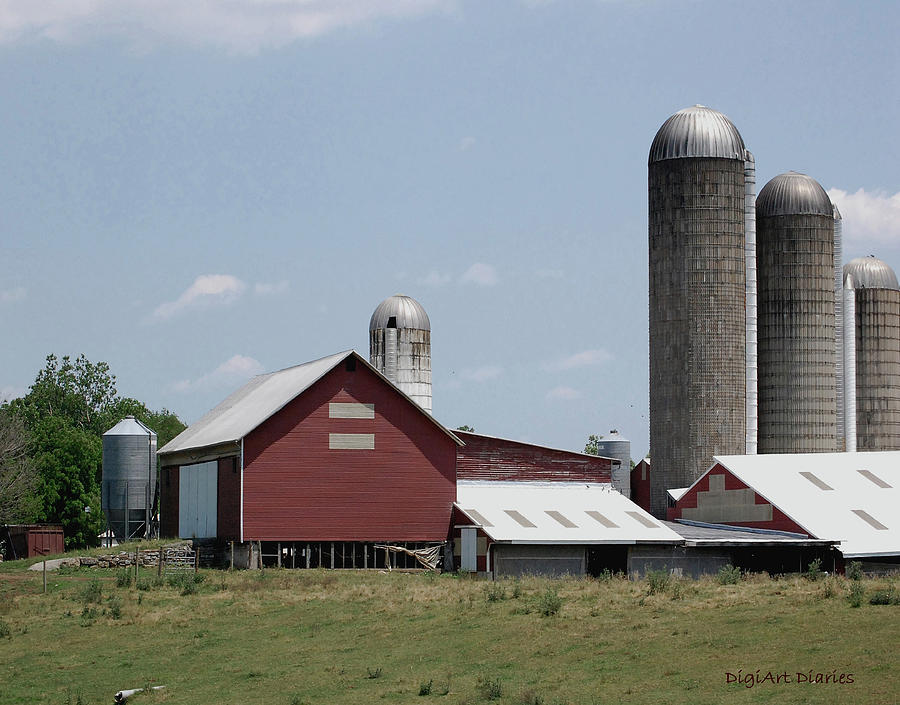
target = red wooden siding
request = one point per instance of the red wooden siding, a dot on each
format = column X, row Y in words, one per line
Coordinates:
column 779, row 522
column 228, row 499
column 486, row 458
column 296, row 488
column 168, row 502
column 31, row 540
column 640, row 485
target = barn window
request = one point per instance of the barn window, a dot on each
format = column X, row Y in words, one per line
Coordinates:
column 593, row 514
column 872, row 477
column 519, row 519
column 816, row 481
column 869, row 519
column 350, row 364
column 553, row 514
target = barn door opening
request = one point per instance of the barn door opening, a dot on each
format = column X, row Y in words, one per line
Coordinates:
column 468, row 554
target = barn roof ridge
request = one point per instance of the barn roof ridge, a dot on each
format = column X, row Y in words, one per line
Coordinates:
column 262, row 397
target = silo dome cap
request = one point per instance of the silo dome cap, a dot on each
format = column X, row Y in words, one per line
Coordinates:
column 793, row 194
column 405, row 310
column 697, row 132
column 869, row 273
column 130, row 426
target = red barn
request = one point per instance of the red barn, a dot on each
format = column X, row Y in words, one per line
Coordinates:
column 321, row 461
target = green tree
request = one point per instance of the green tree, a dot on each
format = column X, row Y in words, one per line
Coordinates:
column 66, row 411
column 18, row 476
column 466, row 427
column 592, row 447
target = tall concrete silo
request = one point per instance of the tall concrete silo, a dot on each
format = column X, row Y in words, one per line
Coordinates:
column 400, row 346
column 795, row 258
column 839, row 324
column 875, row 356
column 614, row 446
column 129, row 478
column 698, row 293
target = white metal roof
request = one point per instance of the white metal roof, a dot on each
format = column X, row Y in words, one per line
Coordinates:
column 558, row 512
column 850, row 497
column 259, row 399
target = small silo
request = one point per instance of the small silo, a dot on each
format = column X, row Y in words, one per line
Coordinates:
column 839, row 325
column 697, row 196
column 400, row 346
column 614, row 446
column 795, row 266
column 875, row 328
column 129, row 478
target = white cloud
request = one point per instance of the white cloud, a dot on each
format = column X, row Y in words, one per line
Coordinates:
column 466, row 143
column 11, row 295
column 244, row 26
column 482, row 374
column 270, row 289
column 481, row 274
column 435, row 278
column 207, row 289
column 235, row 370
column 10, row 392
column 585, row 358
column 564, row 393
column 868, row 218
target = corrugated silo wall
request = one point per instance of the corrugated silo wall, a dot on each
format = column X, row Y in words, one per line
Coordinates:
column 797, row 384
column 877, row 369
column 412, row 367
column 697, row 318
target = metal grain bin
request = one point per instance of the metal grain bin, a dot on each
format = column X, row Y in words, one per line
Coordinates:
column 797, row 378
column 614, row 446
column 129, row 478
column 698, row 279
column 875, row 328
column 400, row 346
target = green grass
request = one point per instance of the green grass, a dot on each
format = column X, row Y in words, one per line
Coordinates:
column 345, row 637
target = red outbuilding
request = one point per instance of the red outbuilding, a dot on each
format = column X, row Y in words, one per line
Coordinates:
column 316, row 465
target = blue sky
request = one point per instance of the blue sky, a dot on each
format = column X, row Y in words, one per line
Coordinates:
column 199, row 192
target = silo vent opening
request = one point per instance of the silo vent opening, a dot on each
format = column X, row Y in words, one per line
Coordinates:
column 392, row 322
column 350, row 364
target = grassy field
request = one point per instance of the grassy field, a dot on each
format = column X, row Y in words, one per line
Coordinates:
column 290, row 637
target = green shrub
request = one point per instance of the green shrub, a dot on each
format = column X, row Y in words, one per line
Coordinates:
column 728, row 575
column 374, row 672
column 657, row 580
column 425, row 688
column 114, row 606
column 5, row 631
column 885, row 597
column 549, row 602
column 489, row 688
column 529, row 697
column 495, row 592
column 814, row 570
column 857, row 593
column 123, row 578
column 854, row 570
column 517, row 590
column 91, row 593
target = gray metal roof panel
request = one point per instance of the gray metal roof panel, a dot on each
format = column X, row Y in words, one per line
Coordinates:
column 792, row 193
column 408, row 312
column 261, row 397
column 697, row 131
column 869, row 273
column 130, row 426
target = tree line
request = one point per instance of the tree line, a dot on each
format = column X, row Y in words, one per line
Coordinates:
column 51, row 448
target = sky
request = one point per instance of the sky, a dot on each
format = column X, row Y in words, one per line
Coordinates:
column 199, row 192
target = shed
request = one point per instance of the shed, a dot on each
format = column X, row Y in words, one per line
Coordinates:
column 320, row 461
column 851, row 498
column 552, row 528
column 31, row 540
